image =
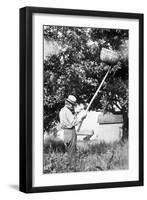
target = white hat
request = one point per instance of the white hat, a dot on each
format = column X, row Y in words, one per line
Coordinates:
column 71, row 99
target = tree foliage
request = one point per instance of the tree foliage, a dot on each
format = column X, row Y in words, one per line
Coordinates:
column 76, row 69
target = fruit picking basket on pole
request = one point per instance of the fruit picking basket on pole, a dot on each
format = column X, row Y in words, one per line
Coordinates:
column 109, row 56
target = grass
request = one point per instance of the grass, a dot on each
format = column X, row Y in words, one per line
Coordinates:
column 90, row 156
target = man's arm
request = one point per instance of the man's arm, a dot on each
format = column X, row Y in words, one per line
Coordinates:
column 74, row 120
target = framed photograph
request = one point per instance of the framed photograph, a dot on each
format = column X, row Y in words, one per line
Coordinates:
column 81, row 99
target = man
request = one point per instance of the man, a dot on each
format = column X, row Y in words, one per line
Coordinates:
column 68, row 121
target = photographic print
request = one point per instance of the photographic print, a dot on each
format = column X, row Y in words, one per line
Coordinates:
column 85, row 99
column 81, row 99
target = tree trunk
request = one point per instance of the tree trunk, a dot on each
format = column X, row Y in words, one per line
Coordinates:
column 125, row 124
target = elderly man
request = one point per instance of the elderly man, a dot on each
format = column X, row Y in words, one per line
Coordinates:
column 68, row 121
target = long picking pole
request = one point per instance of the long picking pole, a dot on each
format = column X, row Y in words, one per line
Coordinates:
column 97, row 91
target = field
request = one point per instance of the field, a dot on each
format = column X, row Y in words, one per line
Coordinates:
column 90, row 156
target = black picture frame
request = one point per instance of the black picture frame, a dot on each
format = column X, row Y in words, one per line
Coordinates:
column 26, row 103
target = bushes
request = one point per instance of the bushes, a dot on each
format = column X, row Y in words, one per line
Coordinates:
column 90, row 156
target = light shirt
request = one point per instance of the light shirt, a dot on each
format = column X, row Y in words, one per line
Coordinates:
column 67, row 119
